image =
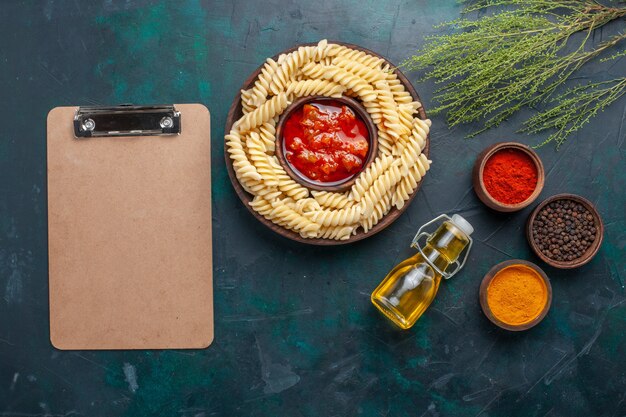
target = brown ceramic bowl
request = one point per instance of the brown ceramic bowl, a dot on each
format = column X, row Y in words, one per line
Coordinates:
column 491, row 275
column 479, row 185
column 589, row 253
column 338, row 186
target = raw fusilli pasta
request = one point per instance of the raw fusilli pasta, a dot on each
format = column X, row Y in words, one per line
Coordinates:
column 409, row 182
column 267, row 134
column 315, row 87
column 263, row 113
column 330, row 70
column 358, row 85
column 381, row 208
column 261, row 87
column 391, row 120
column 241, row 164
column 327, row 217
column 332, row 200
column 314, row 70
column 286, row 216
column 359, row 56
column 380, row 187
column 369, row 74
column 260, row 160
column 287, row 185
column 289, row 65
column 367, row 177
column 336, row 232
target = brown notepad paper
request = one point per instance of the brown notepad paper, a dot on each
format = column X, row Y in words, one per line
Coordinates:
column 129, row 234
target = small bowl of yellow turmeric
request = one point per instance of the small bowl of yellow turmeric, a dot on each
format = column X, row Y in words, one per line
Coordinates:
column 515, row 295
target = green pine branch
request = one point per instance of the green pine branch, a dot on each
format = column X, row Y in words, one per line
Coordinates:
column 573, row 109
column 491, row 67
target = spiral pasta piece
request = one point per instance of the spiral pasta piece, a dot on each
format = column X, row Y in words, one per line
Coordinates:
column 405, row 114
column 286, row 184
column 367, row 177
column 314, row 87
column 386, row 143
column 359, row 56
column 400, row 95
column 359, row 86
column 288, row 201
column 332, row 200
column 369, row 74
column 264, row 113
column 342, row 217
column 336, row 232
column 380, row 187
column 391, row 120
column 267, row 135
column 244, row 170
column 288, row 67
column 261, row 88
column 325, row 51
column 412, row 151
column 247, row 101
column 419, row 133
column 284, row 215
column 380, row 210
column 307, row 205
column 259, row 188
column 260, row 160
column 374, row 110
column 406, row 186
column 314, row 70
column 424, row 164
column 261, row 206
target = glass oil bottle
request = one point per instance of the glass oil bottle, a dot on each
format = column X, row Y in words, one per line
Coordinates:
column 410, row 287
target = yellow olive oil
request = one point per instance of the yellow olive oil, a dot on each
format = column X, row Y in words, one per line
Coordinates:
column 410, row 287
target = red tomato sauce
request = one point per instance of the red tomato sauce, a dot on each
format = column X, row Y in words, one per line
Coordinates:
column 325, row 141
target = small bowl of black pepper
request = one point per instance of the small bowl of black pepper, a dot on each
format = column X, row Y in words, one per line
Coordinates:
column 565, row 231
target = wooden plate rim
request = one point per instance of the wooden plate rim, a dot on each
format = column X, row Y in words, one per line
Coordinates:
column 245, row 197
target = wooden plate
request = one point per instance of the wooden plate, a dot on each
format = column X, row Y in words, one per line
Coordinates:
column 236, row 112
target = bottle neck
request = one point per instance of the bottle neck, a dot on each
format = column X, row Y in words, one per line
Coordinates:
column 436, row 258
column 445, row 245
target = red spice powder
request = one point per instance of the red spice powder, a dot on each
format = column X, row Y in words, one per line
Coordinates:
column 510, row 176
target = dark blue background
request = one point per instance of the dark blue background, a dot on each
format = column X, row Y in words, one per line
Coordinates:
column 295, row 332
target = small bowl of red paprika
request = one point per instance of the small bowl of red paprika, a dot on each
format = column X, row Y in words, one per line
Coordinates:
column 508, row 176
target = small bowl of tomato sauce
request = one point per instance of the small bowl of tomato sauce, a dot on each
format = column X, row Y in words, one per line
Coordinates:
column 324, row 143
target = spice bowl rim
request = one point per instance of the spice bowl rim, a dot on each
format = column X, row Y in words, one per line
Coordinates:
column 479, row 185
column 589, row 253
column 340, row 186
column 491, row 274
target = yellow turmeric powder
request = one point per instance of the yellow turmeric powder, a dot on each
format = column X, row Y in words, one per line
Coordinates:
column 517, row 294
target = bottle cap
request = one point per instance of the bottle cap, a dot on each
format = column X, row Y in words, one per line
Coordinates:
column 462, row 224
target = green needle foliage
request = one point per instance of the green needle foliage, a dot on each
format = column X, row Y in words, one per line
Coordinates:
column 574, row 108
column 515, row 57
